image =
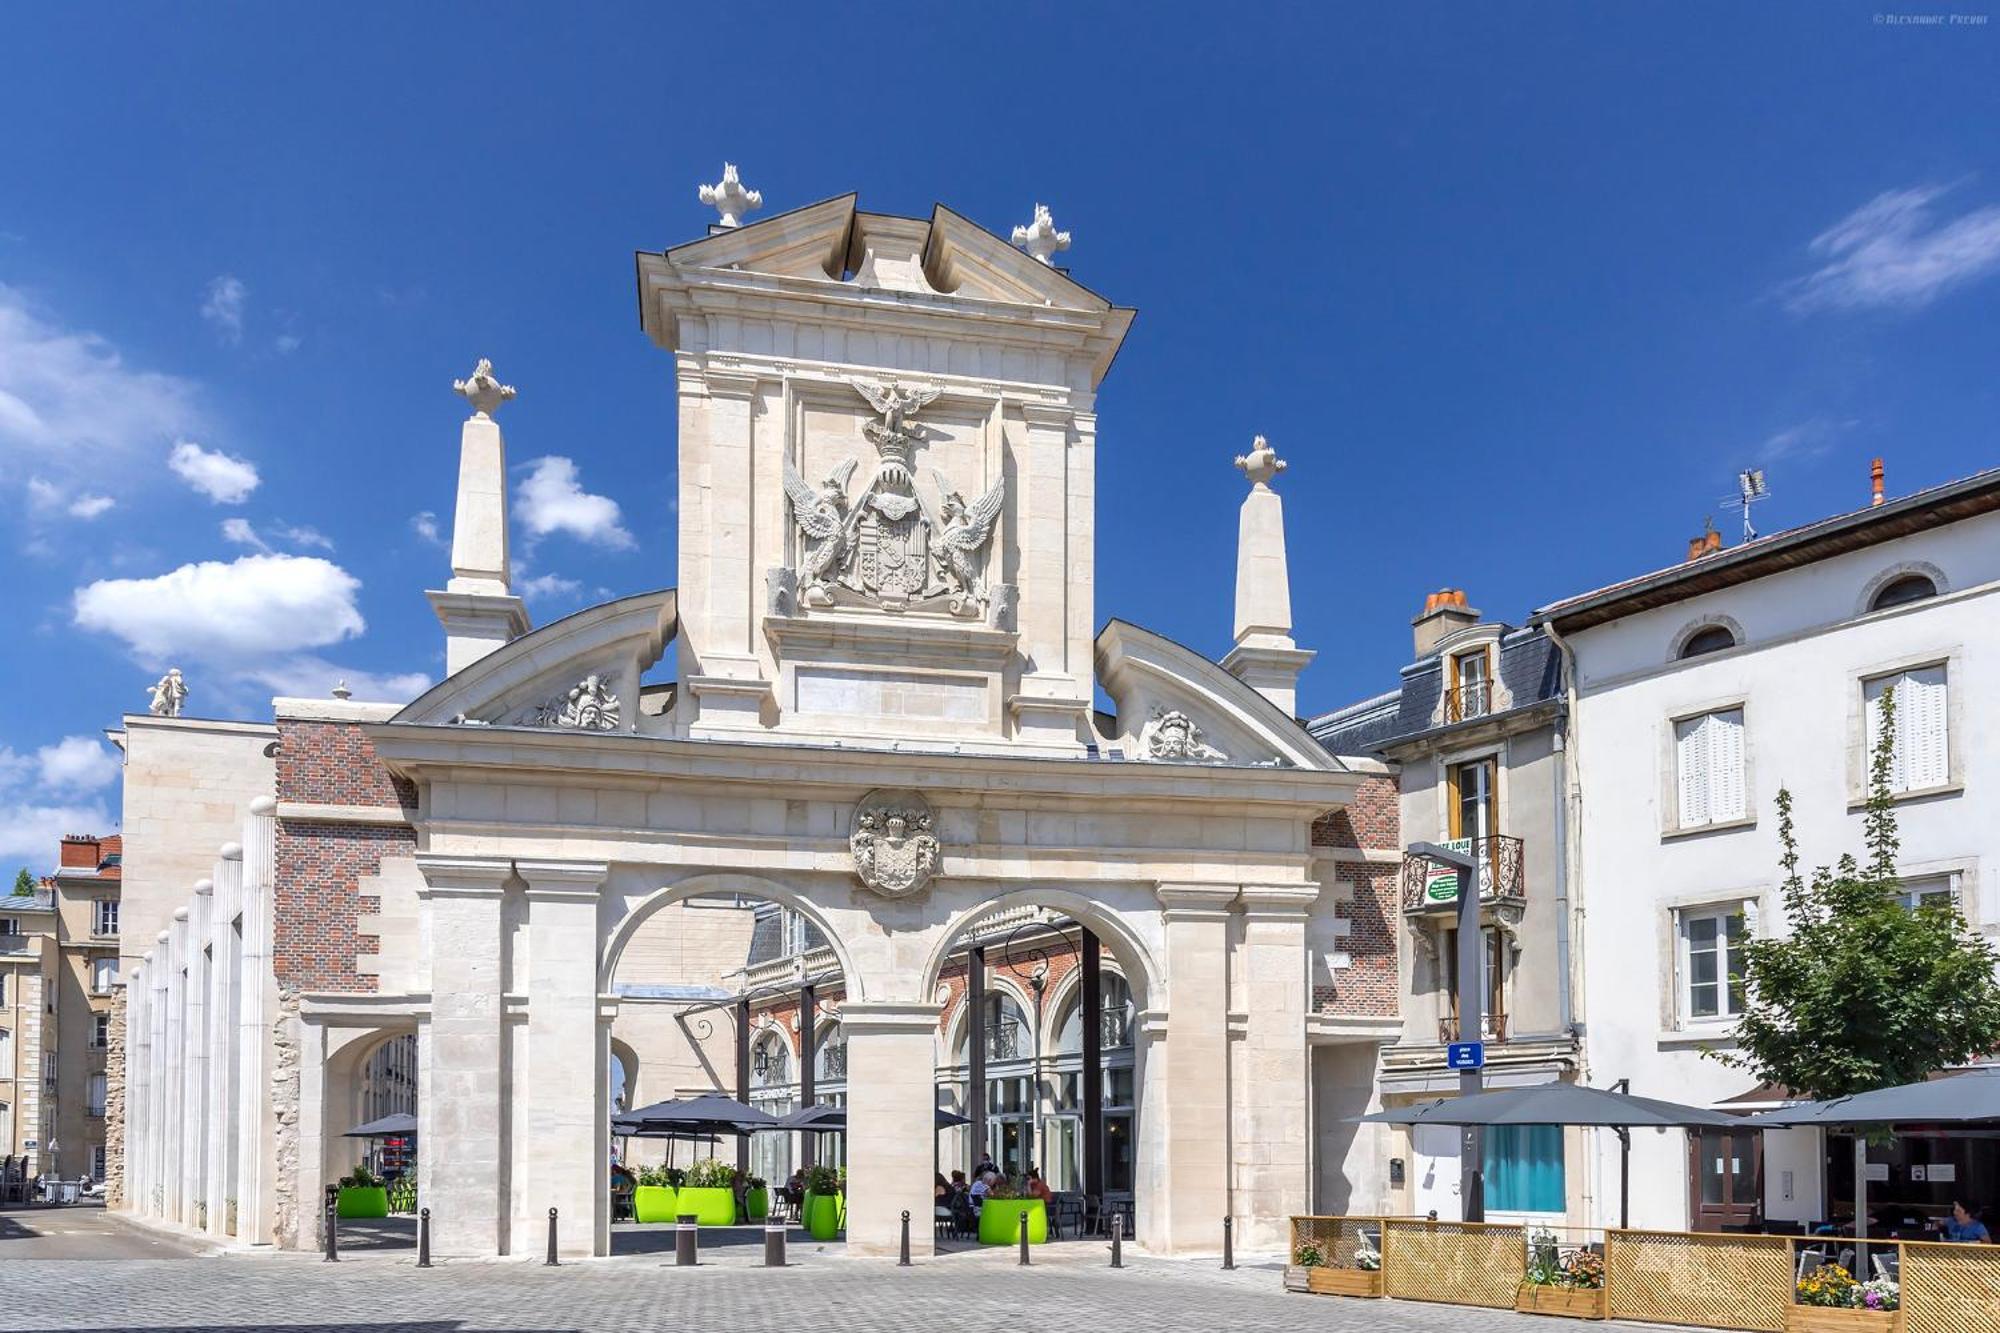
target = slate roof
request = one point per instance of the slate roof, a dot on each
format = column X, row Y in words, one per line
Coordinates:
column 1530, row 668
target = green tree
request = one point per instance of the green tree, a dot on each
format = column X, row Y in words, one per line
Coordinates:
column 24, row 883
column 1862, row 992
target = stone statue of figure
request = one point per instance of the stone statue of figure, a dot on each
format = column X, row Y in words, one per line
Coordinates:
column 169, row 695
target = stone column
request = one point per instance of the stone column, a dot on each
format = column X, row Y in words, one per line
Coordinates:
column 1273, row 1158
column 462, row 1080
column 563, row 1079
column 1187, row 1213
column 160, row 962
column 224, row 965
column 255, row 1144
column 891, row 1123
column 179, row 1161
column 131, row 1155
column 194, row 1124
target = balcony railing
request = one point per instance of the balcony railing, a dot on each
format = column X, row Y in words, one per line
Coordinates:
column 1492, row 1027
column 1003, row 1041
column 1472, row 699
column 1430, row 886
column 1116, row 1029
column 833, row 1061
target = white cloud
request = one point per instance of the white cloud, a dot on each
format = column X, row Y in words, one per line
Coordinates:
column 223, row 479
column 1806, row 439
column 31, row 831
column 71, row 409
column 42, row 495
column 287, row 343
column 550, row 500
column 543, row 587
column 425, row 525
column 239, row 531
column 309, row 676
column 77, row 764
column 223, row 307
column 90, row 506
column 256, row 606
column 299, row 534
column 1894, row 252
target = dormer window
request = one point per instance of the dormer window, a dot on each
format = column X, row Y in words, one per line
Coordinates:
column 1902, row 591
column 1471, row 692
column 1713, row 639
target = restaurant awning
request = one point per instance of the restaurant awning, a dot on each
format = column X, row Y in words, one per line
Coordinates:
column 1970, row 1095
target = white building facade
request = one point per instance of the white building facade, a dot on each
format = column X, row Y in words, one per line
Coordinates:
column 1696, row 694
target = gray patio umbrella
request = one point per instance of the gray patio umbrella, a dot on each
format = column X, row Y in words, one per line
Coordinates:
column 402, row 1125
column 833, row 1120
column 1564, row 1104
column 1968, row 1097
column 710, row 1113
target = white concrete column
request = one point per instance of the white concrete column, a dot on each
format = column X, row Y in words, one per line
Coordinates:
column 138, row 1050
column 563, row 1080
column 224, row 966
column 1273, row 1139
column 464, row 1076
column 194, row 1125
column 891, row 1123
column 174, row 1124
column 161, row 966
column 255, row 1123
column 1191, row 1095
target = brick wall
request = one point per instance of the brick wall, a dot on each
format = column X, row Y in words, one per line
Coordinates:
column 319, row 866
column 1373, row 819
column 1369, row 985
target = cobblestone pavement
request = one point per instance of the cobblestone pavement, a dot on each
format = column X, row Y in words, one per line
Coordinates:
column 75, row 1231
column 1068, row 1287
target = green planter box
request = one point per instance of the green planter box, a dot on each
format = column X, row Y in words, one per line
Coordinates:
column 362, row 1201
column 1000, row 1221
column 654, row 1203
column 825, row 1215
column 757, row 1203
column 711, row 1207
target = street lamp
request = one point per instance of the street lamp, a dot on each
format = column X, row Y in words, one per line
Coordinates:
column 1471, row 1019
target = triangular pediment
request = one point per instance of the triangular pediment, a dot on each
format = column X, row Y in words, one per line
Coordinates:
column 965, row 259
column 809, row 242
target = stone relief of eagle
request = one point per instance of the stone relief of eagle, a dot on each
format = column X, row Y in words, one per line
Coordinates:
column 961, row 534
column 825, row 525
column 896, row 402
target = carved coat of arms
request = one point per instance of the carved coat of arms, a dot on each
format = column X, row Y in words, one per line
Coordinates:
column 895, row 852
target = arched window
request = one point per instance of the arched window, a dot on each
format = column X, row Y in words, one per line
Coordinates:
column 1008, row 1034
column 770, row 1062
column 1709, row 639
column 1115, row 1017
column 830, row 1055
column 1902, row 591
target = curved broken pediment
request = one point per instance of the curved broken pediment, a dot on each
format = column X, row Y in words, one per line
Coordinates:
column 1176, row 706
column 581, row 672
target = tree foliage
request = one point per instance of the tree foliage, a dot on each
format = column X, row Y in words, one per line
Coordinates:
column 24, row 883
column 1862, row 992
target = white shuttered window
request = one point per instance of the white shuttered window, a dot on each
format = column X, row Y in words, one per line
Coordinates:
column 1708, row 760
column 1921, row 756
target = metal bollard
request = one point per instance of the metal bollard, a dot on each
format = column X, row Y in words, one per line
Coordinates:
column 903, row 1260
column 1118, row 1240
column 1021, row 1230
column 684, row 1242
column 1228, row 1243
column 332, row 1232
column 423, row 1238
column 552, row 1261
column 774, row 1244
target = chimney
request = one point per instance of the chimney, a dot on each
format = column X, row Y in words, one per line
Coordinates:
column 79, row 852
column 1445, row 612
column 1875, row 482
column 1707, row 543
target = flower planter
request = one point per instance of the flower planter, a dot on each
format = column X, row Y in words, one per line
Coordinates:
column 1344, row 1281
column 825, row 1215
column 1572, row 1302
column 654, row 1203
column 362, row 1201
column 757, row 1203
column 712, row 1207
column 1836, row 1319
column 1000, row 1221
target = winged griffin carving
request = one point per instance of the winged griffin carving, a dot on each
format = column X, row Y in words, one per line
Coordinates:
column 889, row 545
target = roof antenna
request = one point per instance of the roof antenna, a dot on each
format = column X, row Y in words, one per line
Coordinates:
column 1750, row 489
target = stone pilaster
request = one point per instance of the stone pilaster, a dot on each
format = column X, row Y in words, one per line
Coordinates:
column 891, row 1118
column 257, row 1096
column 194, row 1089
column 159, row 964
column 463, row 1131
column 225, row 950
column 1186, row 1211
column 1272, row 1158
column 173, row 1123
column 563, row 1078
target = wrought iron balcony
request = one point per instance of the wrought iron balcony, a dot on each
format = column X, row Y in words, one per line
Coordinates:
column 1492, row 1027
column 1472, row 699
column 1003, row 1041
column 1430, row 887
column 1116, row 1029
column 833, row 1061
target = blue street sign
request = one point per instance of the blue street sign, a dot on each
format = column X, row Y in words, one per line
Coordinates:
column 1465, row 1055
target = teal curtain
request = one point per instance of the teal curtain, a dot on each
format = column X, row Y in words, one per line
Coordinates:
column 1524, row 1168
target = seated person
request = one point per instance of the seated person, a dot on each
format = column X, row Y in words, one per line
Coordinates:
column 1964, row 1224
column 1036, row 1187
column 980, row 1187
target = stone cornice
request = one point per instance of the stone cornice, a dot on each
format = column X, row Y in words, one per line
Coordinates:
column 1278, row 900
column 463, row 876
column 316, row 812
column 1196, row 902
column 563, row 879
column 889, row 1016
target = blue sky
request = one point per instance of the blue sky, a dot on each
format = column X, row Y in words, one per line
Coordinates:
column 1515, row 288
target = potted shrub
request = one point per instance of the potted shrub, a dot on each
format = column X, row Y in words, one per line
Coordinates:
column 708, row 1191
column 1305, row 1256
column 361, row 1195
column 1829, row 1300
column 655, row 1198
column 1006, row 1211
column 403, row 1193
column 756, row 1198
column 825, row 1209
column 1362, row 1278
column 1571, row 1285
